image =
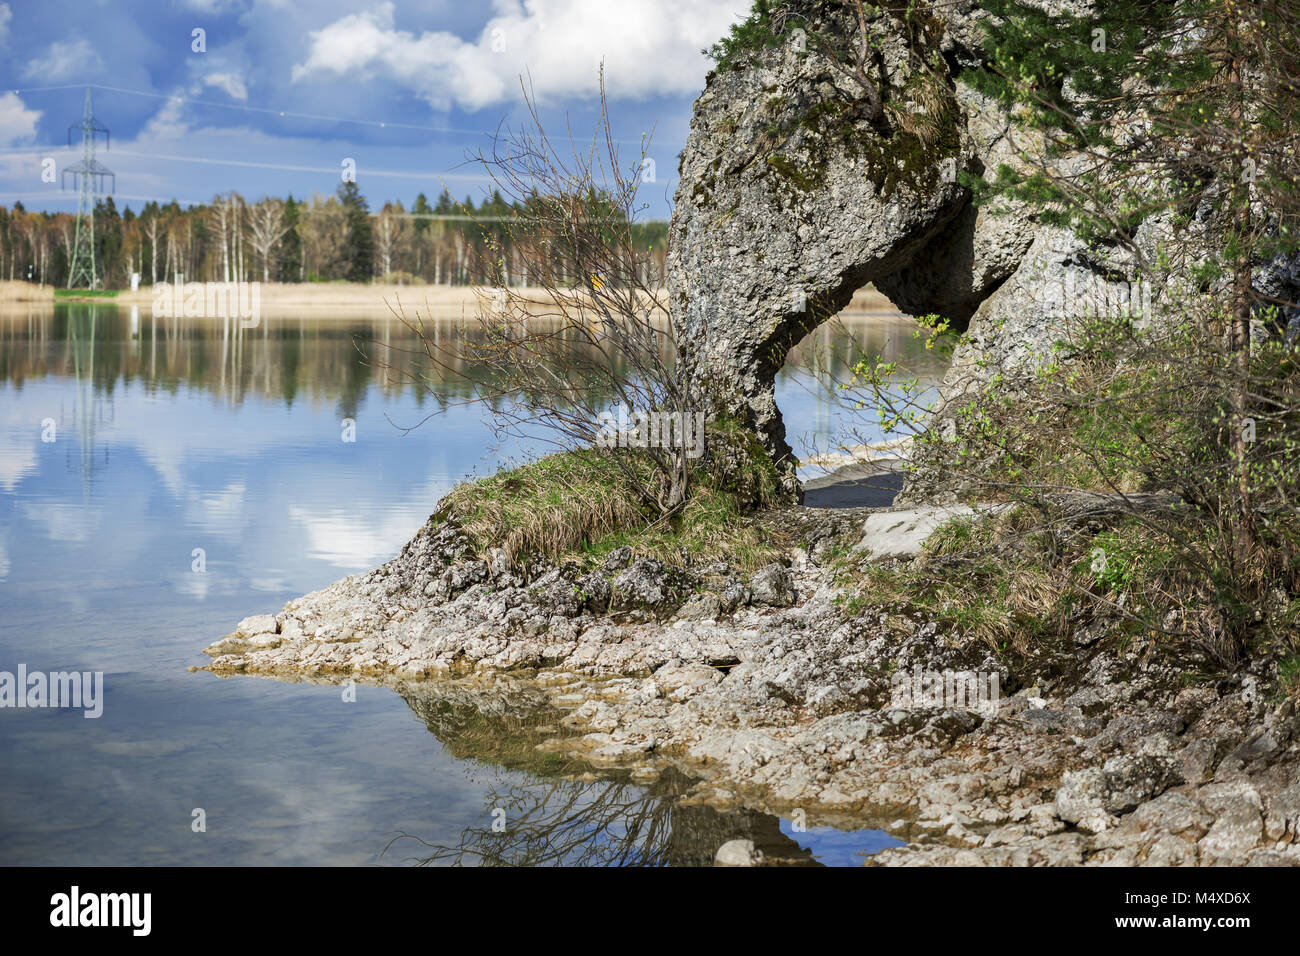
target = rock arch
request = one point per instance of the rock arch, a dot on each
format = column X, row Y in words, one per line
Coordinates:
column 789, row 202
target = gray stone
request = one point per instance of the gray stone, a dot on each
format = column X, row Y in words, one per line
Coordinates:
column 498, row 562
column 257, row 624
column 595, row 591
column 734, row 594
column 1237, row 830
column 701, row 607
column 617, row 559
column 1283, row 818
column 738, row 853
column 790, row 199
column 773, row 585
column 1132, row 779
column 227, row 645
column 1081, row 800
column 835, row 211
column 683, row 681
column 901, row 533
column 1175, row 813
column 1171, row 851
column 650, row 584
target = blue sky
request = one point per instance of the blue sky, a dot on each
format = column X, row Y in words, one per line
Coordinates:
column 286, row 91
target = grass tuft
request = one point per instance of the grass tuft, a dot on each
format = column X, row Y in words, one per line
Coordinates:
column 580, row 505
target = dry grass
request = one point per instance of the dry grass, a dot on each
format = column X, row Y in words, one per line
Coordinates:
column 709, row 528
column 440, row 301
column 552, row 506
column 991, row 579
column 580, row 505
column 1024, row 583
column 14, row 291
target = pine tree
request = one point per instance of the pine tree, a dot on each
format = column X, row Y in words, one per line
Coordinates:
column 1149, row 107
column 359, row 247
column 1183, row 108
column 421, row 225
column 421, row 209
column 288, row 262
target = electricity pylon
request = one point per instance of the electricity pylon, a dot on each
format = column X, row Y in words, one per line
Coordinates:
column 92, row 174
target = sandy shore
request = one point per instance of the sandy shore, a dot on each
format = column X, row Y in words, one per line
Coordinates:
column 24, row 292
column 346, row 298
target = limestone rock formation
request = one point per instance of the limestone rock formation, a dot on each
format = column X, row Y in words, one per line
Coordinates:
column 791, row 199
column 793, row 195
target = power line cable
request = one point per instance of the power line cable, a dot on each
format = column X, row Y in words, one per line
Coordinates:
column 271, row 111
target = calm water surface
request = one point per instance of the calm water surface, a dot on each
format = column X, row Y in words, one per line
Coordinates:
column 171, row 437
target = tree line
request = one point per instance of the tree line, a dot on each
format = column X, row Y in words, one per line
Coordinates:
column 316, row 239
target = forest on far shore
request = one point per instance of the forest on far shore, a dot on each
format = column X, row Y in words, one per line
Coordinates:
column 319, row 239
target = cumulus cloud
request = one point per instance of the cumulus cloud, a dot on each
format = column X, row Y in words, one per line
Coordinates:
column 650, row 48
column 65, row 60
column 17, row 122
column 168, row 123
column 229, row 84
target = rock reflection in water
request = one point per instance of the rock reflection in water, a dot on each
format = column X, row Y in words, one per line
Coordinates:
column 564, row 814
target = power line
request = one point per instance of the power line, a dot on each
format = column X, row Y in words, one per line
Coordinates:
column 55, row 197
column 88, row 174
column 208, row 160
column 250, row 164
column 286, row 167
column 334, row 170
column 271, row 111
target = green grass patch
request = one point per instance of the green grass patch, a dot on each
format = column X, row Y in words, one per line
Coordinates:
column 1025, row 583
column 580, row 505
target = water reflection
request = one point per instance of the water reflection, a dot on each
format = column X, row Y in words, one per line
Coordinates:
column 608, row 821
column 561, row 814
column 338, row 363
column 171, row 436
column 285, row 358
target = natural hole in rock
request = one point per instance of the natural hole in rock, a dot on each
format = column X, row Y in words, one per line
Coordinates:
column 847, row 457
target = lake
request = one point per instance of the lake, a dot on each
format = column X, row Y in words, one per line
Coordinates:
column 162, row 479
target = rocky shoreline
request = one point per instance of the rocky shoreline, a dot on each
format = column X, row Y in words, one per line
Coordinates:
column 775, row 697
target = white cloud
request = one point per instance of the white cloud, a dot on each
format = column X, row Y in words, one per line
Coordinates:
column 17, row 122
column 65, row 60
column 210, row 6
column 19, row 439
column 62, row 520
column 5, row 16
column 168, row 123
column 193, row 585
column 650, row 48
column 229, row 84
column 17, row 461
column 219, row 513
column 347, row 539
